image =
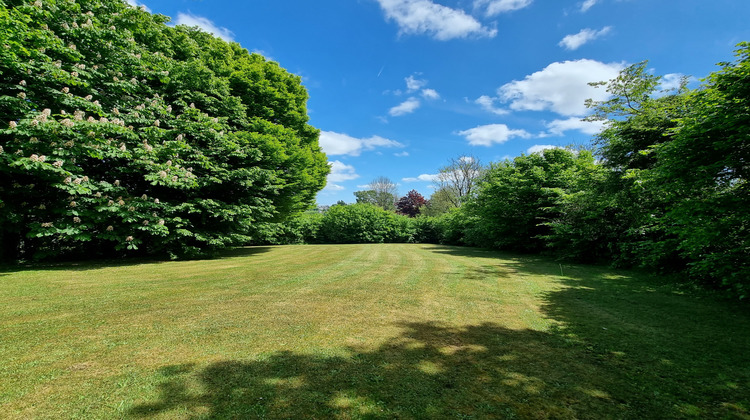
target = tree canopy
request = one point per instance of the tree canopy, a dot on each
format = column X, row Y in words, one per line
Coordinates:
column 411, row 204
column 381, row 192
column 123, row 133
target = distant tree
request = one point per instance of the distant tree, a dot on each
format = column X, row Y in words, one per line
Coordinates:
column 382, row 192
column 365, row 197
column 459, row 177
column 340, row 203
column 411, row 204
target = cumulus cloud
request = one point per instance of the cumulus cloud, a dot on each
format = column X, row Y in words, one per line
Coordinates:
column 574, row 41
column 414, row 84
column 407, row 107
column 136, row 3
column 496, row 7
column 425, row 17
column 342, row 144
column 587, row 4
column 401, row 154
column 487, row 135
column 430, row 94
column 188, row 19
column 423, row 177
column 559, row 127
column 488, row 103
column 341, row 172
column 540, row 147
column 333, row 187
column 561, row 87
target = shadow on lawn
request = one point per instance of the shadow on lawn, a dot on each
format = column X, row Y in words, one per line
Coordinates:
column 624, row 348
column 429, row 371
column 127, row 262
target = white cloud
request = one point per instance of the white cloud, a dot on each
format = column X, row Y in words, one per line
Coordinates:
column 540, row 147
column 423, row 177
column 486, row 135
column 488, row 103
column 587, row 4
column 401, row 154
column 342, row 144
column 671, row 81
column 495, row 7
column 438, row 21
column 407, row 107
column 574, row 41
column 136, row 3
column 414, row 84
column 560, row 87
column 205, row 24
column 333, row 187
column 559, row 127
column 341, row 172
column 430, row 94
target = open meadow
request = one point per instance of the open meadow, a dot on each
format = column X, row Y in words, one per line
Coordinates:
column 365, row 331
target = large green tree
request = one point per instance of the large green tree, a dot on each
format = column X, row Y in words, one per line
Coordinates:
column 121, row 132
column 618, row 216
column 516, row 200
column 704, row 172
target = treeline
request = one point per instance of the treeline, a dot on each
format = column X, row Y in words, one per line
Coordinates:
column 665, row 188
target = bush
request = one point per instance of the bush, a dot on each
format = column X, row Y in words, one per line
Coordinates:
column 363, row 223
column 301, row 229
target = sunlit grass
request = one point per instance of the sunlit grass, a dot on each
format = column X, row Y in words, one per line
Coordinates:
column 365, row 331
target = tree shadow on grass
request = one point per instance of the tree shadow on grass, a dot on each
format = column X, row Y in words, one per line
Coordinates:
column 671, row 351
column 429, row 371
column 87, row 265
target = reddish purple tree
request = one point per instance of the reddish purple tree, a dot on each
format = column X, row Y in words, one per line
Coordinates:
column 410, row 203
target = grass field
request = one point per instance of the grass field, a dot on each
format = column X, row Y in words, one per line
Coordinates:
column 365, row 331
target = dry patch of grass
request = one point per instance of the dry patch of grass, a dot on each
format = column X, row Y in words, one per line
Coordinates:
column 365, row 331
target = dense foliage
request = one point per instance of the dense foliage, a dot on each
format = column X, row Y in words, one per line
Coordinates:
column 517, row 200
column 364, row 223
column 122, row 133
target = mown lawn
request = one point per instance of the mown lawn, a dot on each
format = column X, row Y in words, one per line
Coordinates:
column 365, row 331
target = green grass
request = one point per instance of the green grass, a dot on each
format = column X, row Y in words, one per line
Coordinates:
column 365, row 331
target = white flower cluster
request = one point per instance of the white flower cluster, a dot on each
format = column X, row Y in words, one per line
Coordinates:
column 37, row 158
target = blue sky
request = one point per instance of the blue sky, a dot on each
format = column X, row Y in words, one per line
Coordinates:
column 398, row 87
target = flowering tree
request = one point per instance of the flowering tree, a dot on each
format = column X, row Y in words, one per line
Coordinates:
column 121, row 133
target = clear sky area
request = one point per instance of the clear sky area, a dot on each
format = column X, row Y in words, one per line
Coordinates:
column 398, row 87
